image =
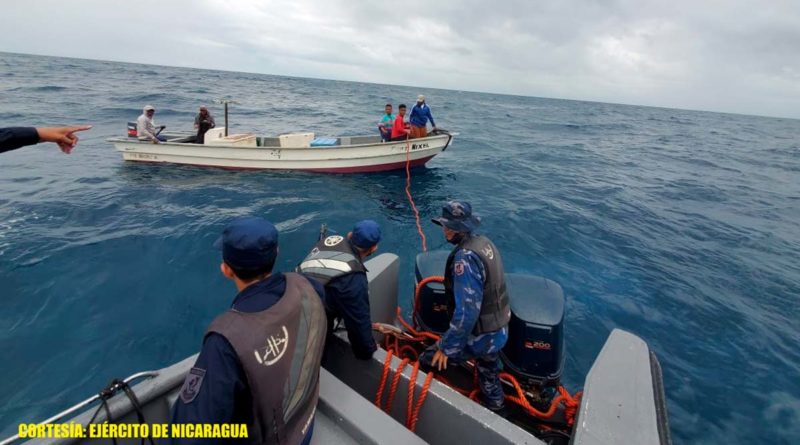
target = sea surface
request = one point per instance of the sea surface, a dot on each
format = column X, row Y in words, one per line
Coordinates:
column 679, row 226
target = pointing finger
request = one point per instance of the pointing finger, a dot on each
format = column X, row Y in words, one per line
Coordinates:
column 75, row 128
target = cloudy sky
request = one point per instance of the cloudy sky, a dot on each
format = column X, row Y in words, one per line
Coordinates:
column 740, row 56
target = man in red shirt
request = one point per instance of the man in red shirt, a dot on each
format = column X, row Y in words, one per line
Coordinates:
column 400, row 129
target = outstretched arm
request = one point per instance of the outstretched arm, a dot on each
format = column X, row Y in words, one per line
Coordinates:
column 63, row 136
column 16, row 137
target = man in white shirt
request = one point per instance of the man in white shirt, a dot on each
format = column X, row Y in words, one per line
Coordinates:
column 146, row 128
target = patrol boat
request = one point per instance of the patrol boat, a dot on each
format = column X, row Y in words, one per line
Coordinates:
column 622, row 400
column 300, row 151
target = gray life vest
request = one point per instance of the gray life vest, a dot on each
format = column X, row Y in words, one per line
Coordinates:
column 280, row 350
column 331, row 258
column 496, row 307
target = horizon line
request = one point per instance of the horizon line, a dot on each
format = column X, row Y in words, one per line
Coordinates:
column 406, row 86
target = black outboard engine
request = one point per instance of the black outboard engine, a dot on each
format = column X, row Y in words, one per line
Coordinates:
column 534, row 353
column 433, row 312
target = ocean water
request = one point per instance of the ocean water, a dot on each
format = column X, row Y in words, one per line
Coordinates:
column 679, row 226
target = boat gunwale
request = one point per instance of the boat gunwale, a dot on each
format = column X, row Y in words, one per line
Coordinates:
column 191, row 144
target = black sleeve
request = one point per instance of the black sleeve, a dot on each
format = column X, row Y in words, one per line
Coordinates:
column 12, row 138
column 349, row 295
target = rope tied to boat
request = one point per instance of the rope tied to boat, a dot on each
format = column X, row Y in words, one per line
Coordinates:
column 411, row 198
column 393, row 336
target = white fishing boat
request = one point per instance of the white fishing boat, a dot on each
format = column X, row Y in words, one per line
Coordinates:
column 300, row 151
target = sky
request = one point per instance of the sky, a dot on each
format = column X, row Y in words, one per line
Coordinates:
column 738, row 56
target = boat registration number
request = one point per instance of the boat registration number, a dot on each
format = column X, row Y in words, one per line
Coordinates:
column 146, row 156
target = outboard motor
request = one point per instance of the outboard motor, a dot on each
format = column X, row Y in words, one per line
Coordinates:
column 132, row 132
column 534, row 353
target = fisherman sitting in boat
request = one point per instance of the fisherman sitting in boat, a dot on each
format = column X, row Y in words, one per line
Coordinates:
column 260, row 360
column 203, row 122
column 147, row 129
column 419, row 117
column 480, row 309
column 337, row 263
column 400, row 127
column 385, row 125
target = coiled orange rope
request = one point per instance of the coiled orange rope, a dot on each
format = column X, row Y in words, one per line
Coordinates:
column 420, row 285
column 571, row 403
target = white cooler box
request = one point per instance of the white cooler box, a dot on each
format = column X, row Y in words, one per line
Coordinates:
column 296, row 140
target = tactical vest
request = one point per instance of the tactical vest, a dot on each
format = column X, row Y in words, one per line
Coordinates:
column 496, row 308
column 280, row 350
column 330, row 258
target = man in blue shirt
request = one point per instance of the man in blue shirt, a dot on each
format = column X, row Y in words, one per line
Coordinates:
column 251, row 367
column 337, row 263
column 419, row 117
column 478, row 302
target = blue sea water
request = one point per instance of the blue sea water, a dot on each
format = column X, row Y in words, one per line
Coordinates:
column 679, row 226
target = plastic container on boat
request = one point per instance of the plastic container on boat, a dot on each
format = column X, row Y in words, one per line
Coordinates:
column 296, row 140
column 238, row 140
column 324, row 142
column 214, row 135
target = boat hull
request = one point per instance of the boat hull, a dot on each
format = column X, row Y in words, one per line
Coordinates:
column 361, row 158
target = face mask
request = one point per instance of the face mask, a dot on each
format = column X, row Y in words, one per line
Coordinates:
column 456, row 238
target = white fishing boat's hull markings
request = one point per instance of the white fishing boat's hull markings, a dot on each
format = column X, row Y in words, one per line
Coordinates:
column 340, row 159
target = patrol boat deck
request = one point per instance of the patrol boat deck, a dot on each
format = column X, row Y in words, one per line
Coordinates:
column 622, row 400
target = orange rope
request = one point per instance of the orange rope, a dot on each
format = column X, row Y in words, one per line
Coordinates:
column 413, row 331
column 411, row 199
column 412, row 384
column 571, row 403
column 386, row 363
column 415, row 416
column 395, row 381
column 426, row 280
column 412, row 352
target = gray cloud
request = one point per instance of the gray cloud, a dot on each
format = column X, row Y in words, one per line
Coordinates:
column 738, row 56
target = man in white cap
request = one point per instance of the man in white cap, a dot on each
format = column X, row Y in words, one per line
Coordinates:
column 419, row 119
column 146, row 127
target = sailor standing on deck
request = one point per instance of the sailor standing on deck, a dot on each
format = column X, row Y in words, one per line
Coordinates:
column 337, row 263
column 480, row 309
column 260, row 360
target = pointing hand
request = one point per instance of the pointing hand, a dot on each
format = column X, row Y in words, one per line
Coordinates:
column 63, row 136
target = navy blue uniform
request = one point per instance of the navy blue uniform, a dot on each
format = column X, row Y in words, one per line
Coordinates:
column 347, row 297
column 12, row 138
column 223, row 393
column 458, row 343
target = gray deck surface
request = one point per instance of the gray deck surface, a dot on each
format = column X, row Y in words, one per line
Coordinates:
column 618, row 405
